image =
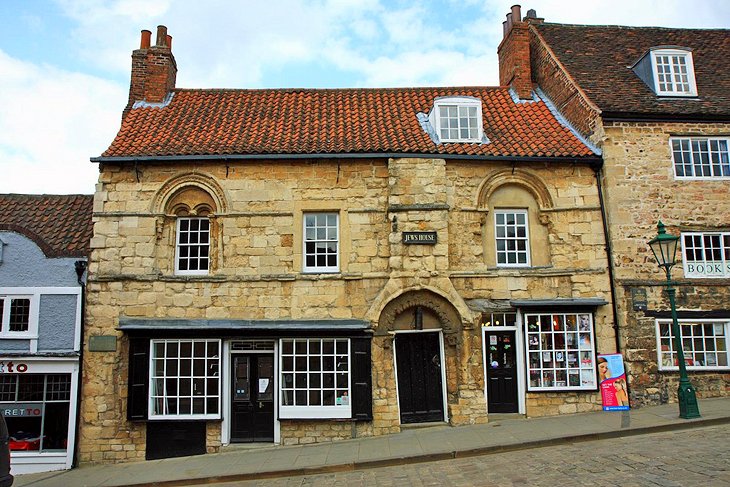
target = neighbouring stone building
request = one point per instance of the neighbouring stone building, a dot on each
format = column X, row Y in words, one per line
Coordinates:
column 655, row 100
column 44, row 244
column 297, row 266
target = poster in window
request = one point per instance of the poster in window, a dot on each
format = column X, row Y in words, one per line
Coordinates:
column 612, row 380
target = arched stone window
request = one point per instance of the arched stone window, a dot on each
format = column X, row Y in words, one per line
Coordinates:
column 515, row 230
column 191, row 204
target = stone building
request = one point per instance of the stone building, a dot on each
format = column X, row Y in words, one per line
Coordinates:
column 297, row 266
column 655, row 100
column 44, row 243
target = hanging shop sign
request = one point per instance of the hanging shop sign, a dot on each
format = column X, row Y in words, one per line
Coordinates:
column 612, row 378
column 419, row 238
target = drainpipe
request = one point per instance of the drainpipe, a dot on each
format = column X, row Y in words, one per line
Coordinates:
column 80, row 267
column 609, row 255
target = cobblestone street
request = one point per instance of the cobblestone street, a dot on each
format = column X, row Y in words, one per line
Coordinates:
column 696, row 457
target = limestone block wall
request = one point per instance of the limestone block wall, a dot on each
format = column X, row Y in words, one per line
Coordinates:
column 256, row 267
column 640, row 190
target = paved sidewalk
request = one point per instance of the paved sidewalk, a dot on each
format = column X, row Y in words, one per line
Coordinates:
column 412, row 445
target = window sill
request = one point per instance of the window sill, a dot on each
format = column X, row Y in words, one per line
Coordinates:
column 18, row 336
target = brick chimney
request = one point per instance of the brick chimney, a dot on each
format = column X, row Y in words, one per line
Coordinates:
column 153, row 69
column 514, row 54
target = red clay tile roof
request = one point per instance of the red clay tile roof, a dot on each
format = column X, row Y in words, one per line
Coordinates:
column 333, row 121
column 59, row 224
column 599, row 58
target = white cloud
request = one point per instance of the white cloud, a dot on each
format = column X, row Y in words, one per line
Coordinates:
column 52, row 122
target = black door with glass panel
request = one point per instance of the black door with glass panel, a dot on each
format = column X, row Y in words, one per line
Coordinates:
column 252, row 408
column 420, row 393
column 501, row 369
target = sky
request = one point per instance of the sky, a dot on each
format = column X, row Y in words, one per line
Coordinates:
column 65, row 64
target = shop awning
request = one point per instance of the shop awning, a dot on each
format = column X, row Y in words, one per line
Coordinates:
column 559, row 303
column 227, row 325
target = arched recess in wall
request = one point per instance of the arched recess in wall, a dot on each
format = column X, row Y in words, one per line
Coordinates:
column 188, row 225
column 420, row 310
column 511, row 192
column 186, row 192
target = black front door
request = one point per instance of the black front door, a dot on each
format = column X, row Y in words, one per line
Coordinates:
column 252, row 408
column 420, row 395
column 501, row 369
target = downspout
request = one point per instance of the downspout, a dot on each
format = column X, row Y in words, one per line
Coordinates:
column 80, row 267
column 609, row 255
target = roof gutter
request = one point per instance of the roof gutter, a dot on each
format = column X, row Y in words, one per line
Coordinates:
column 663, row 117
column 350, row 155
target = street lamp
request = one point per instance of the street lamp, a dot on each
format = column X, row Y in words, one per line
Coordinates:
column 664, row 247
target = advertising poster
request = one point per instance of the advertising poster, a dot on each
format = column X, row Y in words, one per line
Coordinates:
column 612, row 381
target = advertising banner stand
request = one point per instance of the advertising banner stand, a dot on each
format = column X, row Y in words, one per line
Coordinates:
column 612, row 381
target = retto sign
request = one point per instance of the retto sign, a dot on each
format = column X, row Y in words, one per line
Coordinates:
column 9, row 367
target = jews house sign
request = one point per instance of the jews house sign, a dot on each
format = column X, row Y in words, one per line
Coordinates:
column 419, row 238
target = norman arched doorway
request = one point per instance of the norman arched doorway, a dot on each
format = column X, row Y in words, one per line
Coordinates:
column 423, row 326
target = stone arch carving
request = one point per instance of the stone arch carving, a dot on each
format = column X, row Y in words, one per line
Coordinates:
column 519, row 177
column 165, row 201
column 434, row 304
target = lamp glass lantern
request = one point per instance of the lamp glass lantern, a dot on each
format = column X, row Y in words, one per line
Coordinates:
column 664, row 247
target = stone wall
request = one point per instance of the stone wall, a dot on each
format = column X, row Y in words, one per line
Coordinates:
column 257, row 261
column 641, row 190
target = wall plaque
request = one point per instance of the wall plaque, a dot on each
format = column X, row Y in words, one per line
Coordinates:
column 102, row 343
column 638, row 298
column 419, row 238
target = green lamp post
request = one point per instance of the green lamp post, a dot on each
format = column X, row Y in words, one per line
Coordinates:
column 664, row 247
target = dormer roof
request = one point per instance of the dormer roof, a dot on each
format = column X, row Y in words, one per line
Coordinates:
column 602, row 61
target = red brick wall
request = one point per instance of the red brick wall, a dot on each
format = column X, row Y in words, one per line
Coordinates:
column 514, row 60
column 558, row 86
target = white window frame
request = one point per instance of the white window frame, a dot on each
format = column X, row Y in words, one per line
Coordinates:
column 316, row 240
column 460, row 102
column 572, row 326
column 690, row 74
column 33, row 314
column 336, row 411
column 178, row 245
column 689, row 345
column 215, row 373
column 705, row 268
column 701, row 153
column 515, row 238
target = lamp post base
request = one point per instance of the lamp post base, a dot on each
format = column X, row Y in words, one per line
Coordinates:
column 688, row 408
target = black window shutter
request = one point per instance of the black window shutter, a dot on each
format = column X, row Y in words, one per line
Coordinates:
column 362, row 387
column 139, row 366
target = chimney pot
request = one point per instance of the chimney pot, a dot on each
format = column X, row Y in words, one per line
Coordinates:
column 169, row 41
column 144, row 43
column 504, row 29
column 161, row 36
column 516, row 13
column 531, row 14
column 509, row 22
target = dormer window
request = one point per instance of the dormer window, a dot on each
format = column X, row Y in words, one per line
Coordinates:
column 457, row 119
column 668, row 71
column 674, row 72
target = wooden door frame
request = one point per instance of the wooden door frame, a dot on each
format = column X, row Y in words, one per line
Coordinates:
column 442, row 365
column 227, row 393
column 520, row 358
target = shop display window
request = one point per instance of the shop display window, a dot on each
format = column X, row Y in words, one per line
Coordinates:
column 315, row 378
column 561, row 352
column 704, row 342
column 185, row 379
column 36, row 409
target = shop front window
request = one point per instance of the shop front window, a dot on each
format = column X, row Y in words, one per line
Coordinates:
column 561, row 352
column 36, row 409
column 315, row 378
